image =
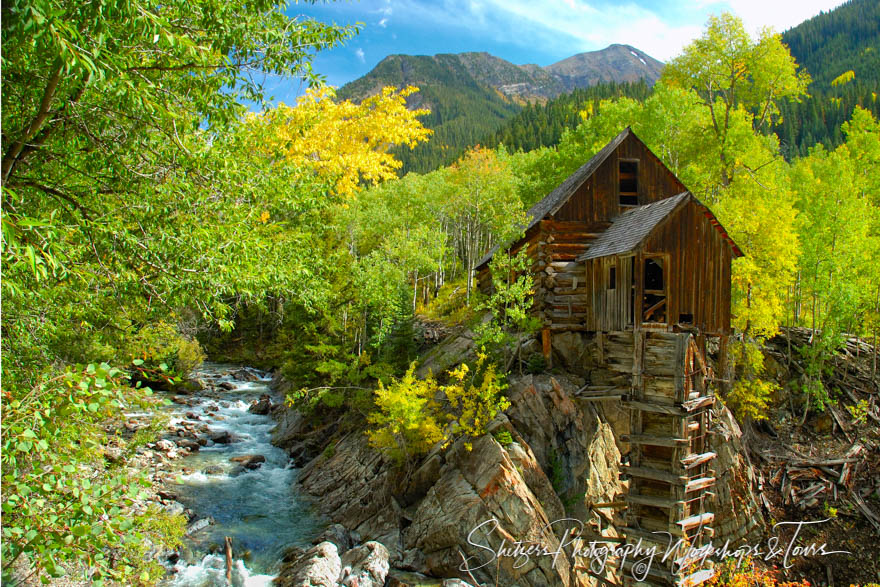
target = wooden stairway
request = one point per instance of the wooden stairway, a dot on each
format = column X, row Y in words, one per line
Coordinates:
column 670, row 464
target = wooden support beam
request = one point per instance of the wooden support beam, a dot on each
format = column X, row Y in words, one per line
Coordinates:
column 655, row 474
column 545, row 346
column 653, row 501
column 652, row 440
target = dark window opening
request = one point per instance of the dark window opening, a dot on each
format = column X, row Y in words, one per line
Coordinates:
column 685, row 318
column 653, row 274
column 628, row 174
column 612, row 278
column 654, row 301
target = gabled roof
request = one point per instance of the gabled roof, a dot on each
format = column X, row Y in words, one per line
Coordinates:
column 629, row 230
column 552, row 202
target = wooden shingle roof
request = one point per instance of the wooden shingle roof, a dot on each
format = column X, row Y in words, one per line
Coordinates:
column 629, row 230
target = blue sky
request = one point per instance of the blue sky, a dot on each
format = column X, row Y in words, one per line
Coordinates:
column 525, row 31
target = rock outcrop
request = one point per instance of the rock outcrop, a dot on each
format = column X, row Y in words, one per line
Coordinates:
column 443, row 517
column 738, row 516
column 324, row 565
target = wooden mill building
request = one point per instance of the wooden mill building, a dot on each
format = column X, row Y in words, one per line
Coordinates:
column 622, row 245
column 623, row 253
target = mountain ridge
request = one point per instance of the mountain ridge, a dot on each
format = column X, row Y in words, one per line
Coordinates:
column 471, row 95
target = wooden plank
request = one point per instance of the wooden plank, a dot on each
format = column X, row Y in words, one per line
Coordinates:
column 694, row 460
column 655, row 474
column 654, row 407
column 654, row 440
column 696, row 404
column 653, row 501
column 697, row 520
column 698, row 484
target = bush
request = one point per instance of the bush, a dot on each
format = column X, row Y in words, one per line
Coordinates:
column 159, row 354
column 475, row 400
column 735, row 573
column 408, row 421
column 750, row 394
column 63, row 503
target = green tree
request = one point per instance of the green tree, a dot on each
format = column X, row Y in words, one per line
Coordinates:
column 729, row 70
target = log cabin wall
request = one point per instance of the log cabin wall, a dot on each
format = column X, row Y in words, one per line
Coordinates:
column 697, row 278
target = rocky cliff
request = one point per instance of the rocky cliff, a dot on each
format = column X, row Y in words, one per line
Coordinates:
column 549, row 468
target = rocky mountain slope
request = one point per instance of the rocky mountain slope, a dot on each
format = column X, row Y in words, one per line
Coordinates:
column 471, row 95
column 517, row 83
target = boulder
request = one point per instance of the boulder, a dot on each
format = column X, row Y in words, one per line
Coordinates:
column 165, row 445
column 319, row 566
column 189, row 444
column 245, row 374
column 262, row 406
column 223, row 437
column 481, row 499
column 227, row 385
column 365, row 566
column 572, row 442
column 355, row 486
column 338, row 535
column 249, row 461
column 198, row 525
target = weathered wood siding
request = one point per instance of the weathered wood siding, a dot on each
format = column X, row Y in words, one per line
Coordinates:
column 698, row 277
column 597, row 199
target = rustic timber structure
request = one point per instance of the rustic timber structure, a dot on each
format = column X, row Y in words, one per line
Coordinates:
column 623, row 254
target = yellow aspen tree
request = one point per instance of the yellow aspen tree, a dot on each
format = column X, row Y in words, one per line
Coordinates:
column 343, row 141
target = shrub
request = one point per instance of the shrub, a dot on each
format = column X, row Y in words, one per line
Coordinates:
column 408, row 421
column 750, row 394
column 474, row 397
column 735, row 573
column 63, row 503
column 159, row 354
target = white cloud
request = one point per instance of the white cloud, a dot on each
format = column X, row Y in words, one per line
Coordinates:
column 359, row 53
column 579, row 26
column 383, row 23
column 757, row 14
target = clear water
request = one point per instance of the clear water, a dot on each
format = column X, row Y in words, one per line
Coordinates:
column 258, row 509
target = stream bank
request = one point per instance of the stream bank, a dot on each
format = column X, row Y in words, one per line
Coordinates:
column 221, row 470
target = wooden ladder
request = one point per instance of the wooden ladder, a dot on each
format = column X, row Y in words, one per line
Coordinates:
column 670, row 462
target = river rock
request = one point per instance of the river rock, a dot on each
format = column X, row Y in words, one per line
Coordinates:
column 199, row 525
column 320, row 566
column 223, row 437
column 365, row 566
column 338, row 535
column 249, row 461
column 175, row 508
column 245, row 375
column 262, row 406
column 164, row 445
column 227, row 385
column 189, row 444
column 213, row 470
